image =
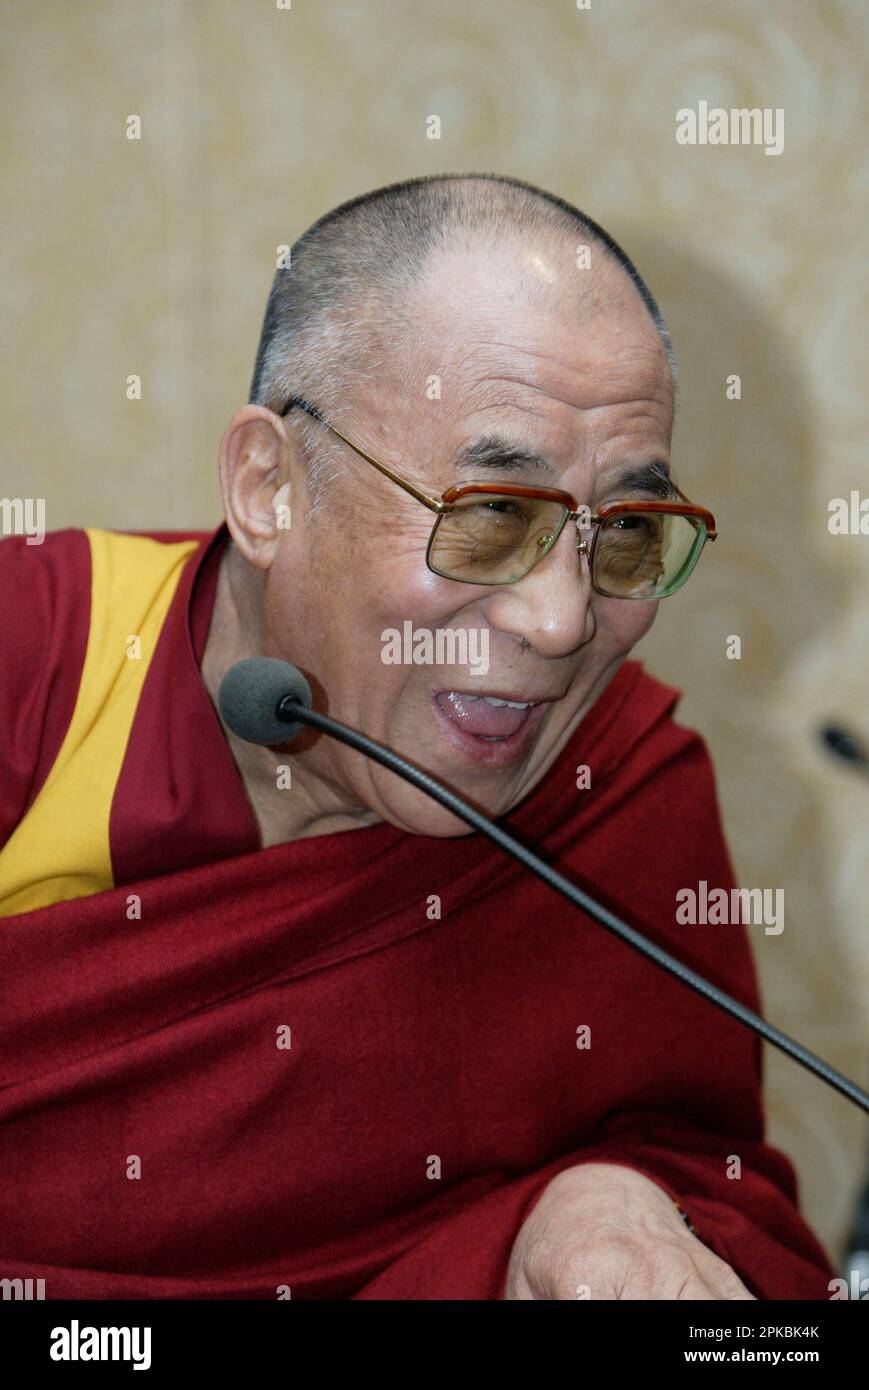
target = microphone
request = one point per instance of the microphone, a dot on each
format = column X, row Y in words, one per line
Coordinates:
column 267, row 701
column 847, row 747
column 253, row 691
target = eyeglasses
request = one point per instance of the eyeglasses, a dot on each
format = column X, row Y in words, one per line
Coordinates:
column 495, row 533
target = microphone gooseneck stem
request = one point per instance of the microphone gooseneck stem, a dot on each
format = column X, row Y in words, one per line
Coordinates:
column 291, row 710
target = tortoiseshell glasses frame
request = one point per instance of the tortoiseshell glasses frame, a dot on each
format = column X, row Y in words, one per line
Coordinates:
column 654, row 558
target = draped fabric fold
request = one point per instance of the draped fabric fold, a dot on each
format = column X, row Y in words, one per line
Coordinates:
column 347, row 1066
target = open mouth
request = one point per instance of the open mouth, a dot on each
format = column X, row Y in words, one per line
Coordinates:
column 492, row 729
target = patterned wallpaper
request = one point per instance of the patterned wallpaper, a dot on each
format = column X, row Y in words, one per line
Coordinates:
column 155, row 257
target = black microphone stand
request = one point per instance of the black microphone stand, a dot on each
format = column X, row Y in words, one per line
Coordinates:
column 292, row 711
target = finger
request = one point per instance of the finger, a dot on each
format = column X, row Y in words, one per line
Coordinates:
column 697, row 1291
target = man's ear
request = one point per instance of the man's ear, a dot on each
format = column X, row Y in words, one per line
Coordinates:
column 255, row 466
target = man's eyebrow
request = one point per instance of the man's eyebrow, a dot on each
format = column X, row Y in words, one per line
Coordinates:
column 495, row 451
column 653, row 476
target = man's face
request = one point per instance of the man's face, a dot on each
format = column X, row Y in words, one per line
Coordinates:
column 569, row 369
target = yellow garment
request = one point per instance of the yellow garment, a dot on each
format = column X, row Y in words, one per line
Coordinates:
column 61, row 848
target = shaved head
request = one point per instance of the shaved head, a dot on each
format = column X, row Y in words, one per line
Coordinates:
column 454, row 329
column 347, row 305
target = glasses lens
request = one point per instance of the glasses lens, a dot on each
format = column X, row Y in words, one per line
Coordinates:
column 490, row 538
column 646, row 554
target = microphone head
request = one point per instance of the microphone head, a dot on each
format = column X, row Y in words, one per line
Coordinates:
column 845, row 746
column 251, row 693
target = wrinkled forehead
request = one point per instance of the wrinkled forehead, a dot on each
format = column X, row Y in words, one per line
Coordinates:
column 522, row 327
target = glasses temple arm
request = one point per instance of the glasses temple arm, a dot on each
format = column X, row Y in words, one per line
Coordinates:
column 431, row 502
column 711, row 533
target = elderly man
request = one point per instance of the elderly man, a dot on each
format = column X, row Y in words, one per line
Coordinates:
column 275, row 1024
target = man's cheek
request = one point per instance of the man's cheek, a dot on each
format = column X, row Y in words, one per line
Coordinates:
column 625, row 621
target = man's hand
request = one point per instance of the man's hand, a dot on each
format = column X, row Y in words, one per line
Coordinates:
column 603, row 1231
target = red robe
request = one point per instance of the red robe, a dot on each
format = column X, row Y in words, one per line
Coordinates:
column 157, row 1140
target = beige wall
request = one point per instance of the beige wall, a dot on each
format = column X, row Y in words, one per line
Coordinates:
column 155, row 257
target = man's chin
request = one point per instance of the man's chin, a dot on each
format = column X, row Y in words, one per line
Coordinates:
column 416, row 813
column 491, row 775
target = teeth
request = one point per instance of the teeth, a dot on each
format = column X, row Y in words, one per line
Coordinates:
column 492, row 700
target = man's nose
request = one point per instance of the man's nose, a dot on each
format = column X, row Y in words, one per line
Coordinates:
column 551, row 606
